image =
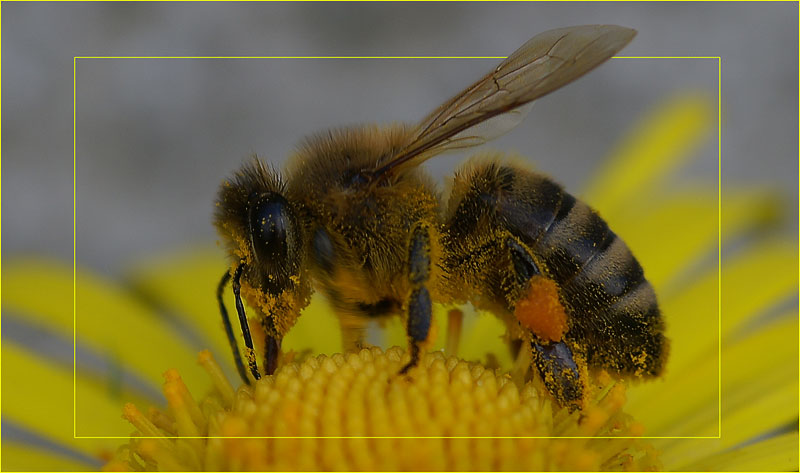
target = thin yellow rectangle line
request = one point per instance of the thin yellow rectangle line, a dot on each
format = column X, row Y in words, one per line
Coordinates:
column 719, row 243
column 1, row 245
column 365, row 57
column 74, row 257
column 719, row 232
column 665, row 57
column 393, row 437
column 290, row 57
column 460, row 1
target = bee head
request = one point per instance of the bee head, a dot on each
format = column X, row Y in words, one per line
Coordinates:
column 261, row 227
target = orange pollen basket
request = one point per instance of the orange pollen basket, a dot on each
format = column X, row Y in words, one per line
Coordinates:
column 541, row 311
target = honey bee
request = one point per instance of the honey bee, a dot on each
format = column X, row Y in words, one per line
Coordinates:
column 356, row 217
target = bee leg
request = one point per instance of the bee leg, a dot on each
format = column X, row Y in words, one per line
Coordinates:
column 419, row 322
column 553, row 358
column 521, row 354
column 353, row 327
column 455, row 321
column 524, row 266
column 248, row 339
column 272, row 350
column 559, row 372
column 419, row 303
column 354, row 331
column 226, row 321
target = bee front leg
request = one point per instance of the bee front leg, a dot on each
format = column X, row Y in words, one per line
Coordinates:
column 272, row 345
column 419, row 302
column 248, row 339
column 226, row 321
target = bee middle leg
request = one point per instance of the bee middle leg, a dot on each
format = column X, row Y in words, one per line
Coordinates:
column 419, row 301
column 354, row 331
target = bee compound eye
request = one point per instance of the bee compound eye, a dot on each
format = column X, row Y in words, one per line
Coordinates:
column 271, row 229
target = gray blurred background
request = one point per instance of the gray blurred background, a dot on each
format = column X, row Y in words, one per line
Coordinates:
column 155, row 137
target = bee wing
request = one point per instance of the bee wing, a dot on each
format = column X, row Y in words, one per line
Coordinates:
column 496, row 102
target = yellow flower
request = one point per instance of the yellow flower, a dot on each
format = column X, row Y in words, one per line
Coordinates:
column 128, row 335
column 354, row 412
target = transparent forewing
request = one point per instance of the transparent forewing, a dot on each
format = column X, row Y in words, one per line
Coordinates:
column 543, row 64
column 484, row 131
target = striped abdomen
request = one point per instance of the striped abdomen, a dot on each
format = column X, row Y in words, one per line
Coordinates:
column 613, row 313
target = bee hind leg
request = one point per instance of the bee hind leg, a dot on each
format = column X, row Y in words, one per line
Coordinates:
column 419, row 302
column 553, row 358
column 559, row 372
column 496, row 213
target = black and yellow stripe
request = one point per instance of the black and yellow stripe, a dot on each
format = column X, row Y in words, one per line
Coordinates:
column 614, row 317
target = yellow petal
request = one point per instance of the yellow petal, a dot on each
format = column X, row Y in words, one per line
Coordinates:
column 20, row 457
column 186, row 286
column 37, row 396
column 760, row 382
column 485, row 336
column 759, row 389
column 692, row 316
column 317, row 329
column 693, row 327
column 778, row 453
column 660, row 143
column 108, row 320
column 692, row 319
column 681, row 403
column 757, row 281
column 670, row 234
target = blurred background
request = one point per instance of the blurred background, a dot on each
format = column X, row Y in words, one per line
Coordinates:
column 155, row 137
